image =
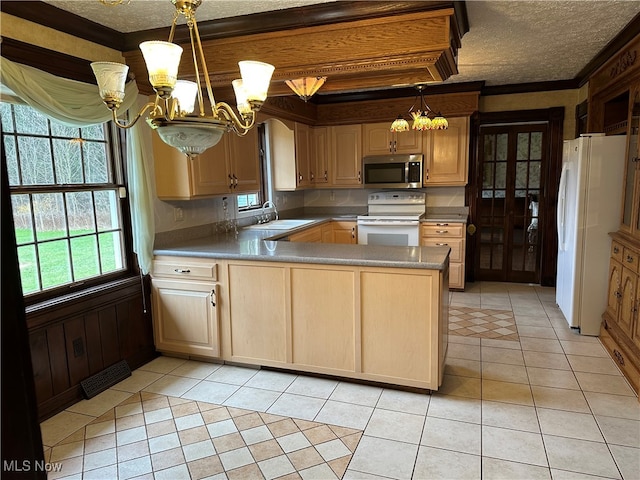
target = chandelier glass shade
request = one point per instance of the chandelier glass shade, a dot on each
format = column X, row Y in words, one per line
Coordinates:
column 421, row 119
column 173, row 114
column 306, row 87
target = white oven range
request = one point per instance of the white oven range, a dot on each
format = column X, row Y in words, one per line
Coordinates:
column 393, row 218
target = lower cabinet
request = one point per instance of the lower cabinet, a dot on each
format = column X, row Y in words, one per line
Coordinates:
column 452, row 235
column 332, row 232
column 185, row 306
column 620, row 332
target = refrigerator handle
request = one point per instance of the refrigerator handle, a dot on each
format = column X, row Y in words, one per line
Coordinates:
column 560, row 214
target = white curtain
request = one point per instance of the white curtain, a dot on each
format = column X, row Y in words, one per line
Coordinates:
column 78, row 104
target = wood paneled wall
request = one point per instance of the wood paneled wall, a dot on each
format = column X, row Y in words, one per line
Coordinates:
column 70, row 344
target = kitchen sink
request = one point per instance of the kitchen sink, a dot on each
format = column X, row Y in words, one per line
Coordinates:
column 280, row 224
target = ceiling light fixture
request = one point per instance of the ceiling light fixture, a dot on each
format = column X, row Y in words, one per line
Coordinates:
column 421, row 119
column 171, row 112
column 306, row 87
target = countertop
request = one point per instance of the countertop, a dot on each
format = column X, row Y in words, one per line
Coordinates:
column 271, row 245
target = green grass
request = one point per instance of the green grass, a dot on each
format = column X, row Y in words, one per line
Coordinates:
column 55, row 262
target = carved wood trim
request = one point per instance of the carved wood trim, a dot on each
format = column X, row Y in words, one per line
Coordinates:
column 621, row 66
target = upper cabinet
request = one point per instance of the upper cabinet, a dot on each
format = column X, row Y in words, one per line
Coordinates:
column 378, row 139
column 319, row 155
column 231, row 166
column 289, row 145
column 631, row 205
column 446, row 154
column 346, row 155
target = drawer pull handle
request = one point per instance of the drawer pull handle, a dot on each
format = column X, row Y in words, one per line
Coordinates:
column 182, row 270
column 442, row 224
column 629, row 259
column 442, row 244
column 442, row 231
column 616, row 250
column 213, row 298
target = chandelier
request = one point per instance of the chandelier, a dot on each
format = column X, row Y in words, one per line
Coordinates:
column 306, row 87
column 171, row 114
column 421, row 119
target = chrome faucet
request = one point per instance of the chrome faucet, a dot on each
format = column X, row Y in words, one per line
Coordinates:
column 275, row 210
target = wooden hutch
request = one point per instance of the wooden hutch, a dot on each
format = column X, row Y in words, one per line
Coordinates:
column 614, row 103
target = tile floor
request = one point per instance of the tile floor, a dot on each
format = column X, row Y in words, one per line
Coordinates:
column 551, row 405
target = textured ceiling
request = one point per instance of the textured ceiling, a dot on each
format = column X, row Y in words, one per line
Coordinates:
column 508, row 42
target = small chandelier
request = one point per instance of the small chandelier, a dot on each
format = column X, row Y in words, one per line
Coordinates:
column 171, row 114
column 421, row 119
column 306, row 87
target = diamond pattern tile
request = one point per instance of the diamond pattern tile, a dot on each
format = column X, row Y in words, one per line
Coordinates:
column 483, row 323
column 168, row 437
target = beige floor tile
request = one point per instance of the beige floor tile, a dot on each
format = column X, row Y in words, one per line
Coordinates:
column 138, row 380
column 435, row 463
column 169, row 458
column 497, row 343
column 387, row 458
column 587, row 349
column 163, row 364
column 305, row 458
column 504, row 373
column 511, row 416
column 559, row 399
column 534, row 344
column 451, row 435
column 581, row 363
column 452, row 407
column 236, row 458
column 403, row 427
column 134, row 468
column 620, row 431
column 100, row 443
column 533, row 321
column 460, row 386
column 506, row 392
column 407, row 402
column 464, row 352
column 322, row 471
column 248, row 472
column 463, row 340
column 513, row 445
column 226, row 443
column 199, row 370
column 177, row 472
column 494, row 469
column 172, row 385
column 99, row 404
column 68, row 468
column 133, row 450
column 344, row 414
column 569, row 424
column 101, row 428
column 60, row 426
column 462, row 368
column 205, row 467
column 502, row 355
column 536, row 332
column 67, row 450
column 592, row 458
column 555, row 361
column 198, row 450
column 546, row 377
column 627, row 459
column 297, row 406
column 619, row 406
column 276, row 467
column 598, row 382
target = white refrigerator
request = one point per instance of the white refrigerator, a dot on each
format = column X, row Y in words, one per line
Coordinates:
column 589, row 203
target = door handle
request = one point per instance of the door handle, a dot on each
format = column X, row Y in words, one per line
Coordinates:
column 182, row 270
column 213, row 297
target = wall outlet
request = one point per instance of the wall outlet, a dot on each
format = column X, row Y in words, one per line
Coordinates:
column 178, row 214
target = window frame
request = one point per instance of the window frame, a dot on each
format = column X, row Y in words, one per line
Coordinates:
column 116, row 159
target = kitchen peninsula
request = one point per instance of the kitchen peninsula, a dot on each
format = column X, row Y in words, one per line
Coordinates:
column 354, row 311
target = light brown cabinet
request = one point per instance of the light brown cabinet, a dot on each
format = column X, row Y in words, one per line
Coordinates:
column 230, row 166
column 185, row 306
column 452, row 235
column 344, row 232
column 631, row 188
column 289, row 145
column 378, row 139
column 446, row 154
column 310, row 235
column 331, row 232
column 345, row 156
column 319, row 156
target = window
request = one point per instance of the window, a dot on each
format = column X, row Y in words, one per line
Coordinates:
column 247, row 202
column 65, row 184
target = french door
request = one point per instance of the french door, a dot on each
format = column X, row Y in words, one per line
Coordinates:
column 509, row 185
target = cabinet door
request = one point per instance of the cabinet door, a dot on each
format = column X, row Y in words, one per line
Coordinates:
column 257, row 301
column 319, row 153
column 344, row 232
column 210, row 171
column 346, row 155
column 631, row 208
column 636, row 325
column 388, row 350
column 244, row 161
column 303, row 161
column 327, row 232
column 407, row 142
column 447, row 154
column 613, row 294
column 323, row 318
column 185, row 317
column 310, row 235
column 377, row 139
column 628, row 286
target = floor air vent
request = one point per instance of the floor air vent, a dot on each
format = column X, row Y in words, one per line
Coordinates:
column 108, row 377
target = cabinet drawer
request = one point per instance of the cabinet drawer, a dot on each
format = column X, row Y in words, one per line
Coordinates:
column 457, row 250
column 443, row 230
column 616, row 251
column 630, row 259
column 191, row 268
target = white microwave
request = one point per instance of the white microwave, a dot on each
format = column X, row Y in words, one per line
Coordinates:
column 392, row 171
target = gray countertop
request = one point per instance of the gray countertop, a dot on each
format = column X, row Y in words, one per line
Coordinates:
column 270, row 245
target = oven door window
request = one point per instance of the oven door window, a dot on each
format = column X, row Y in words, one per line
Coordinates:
column 384, row 173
